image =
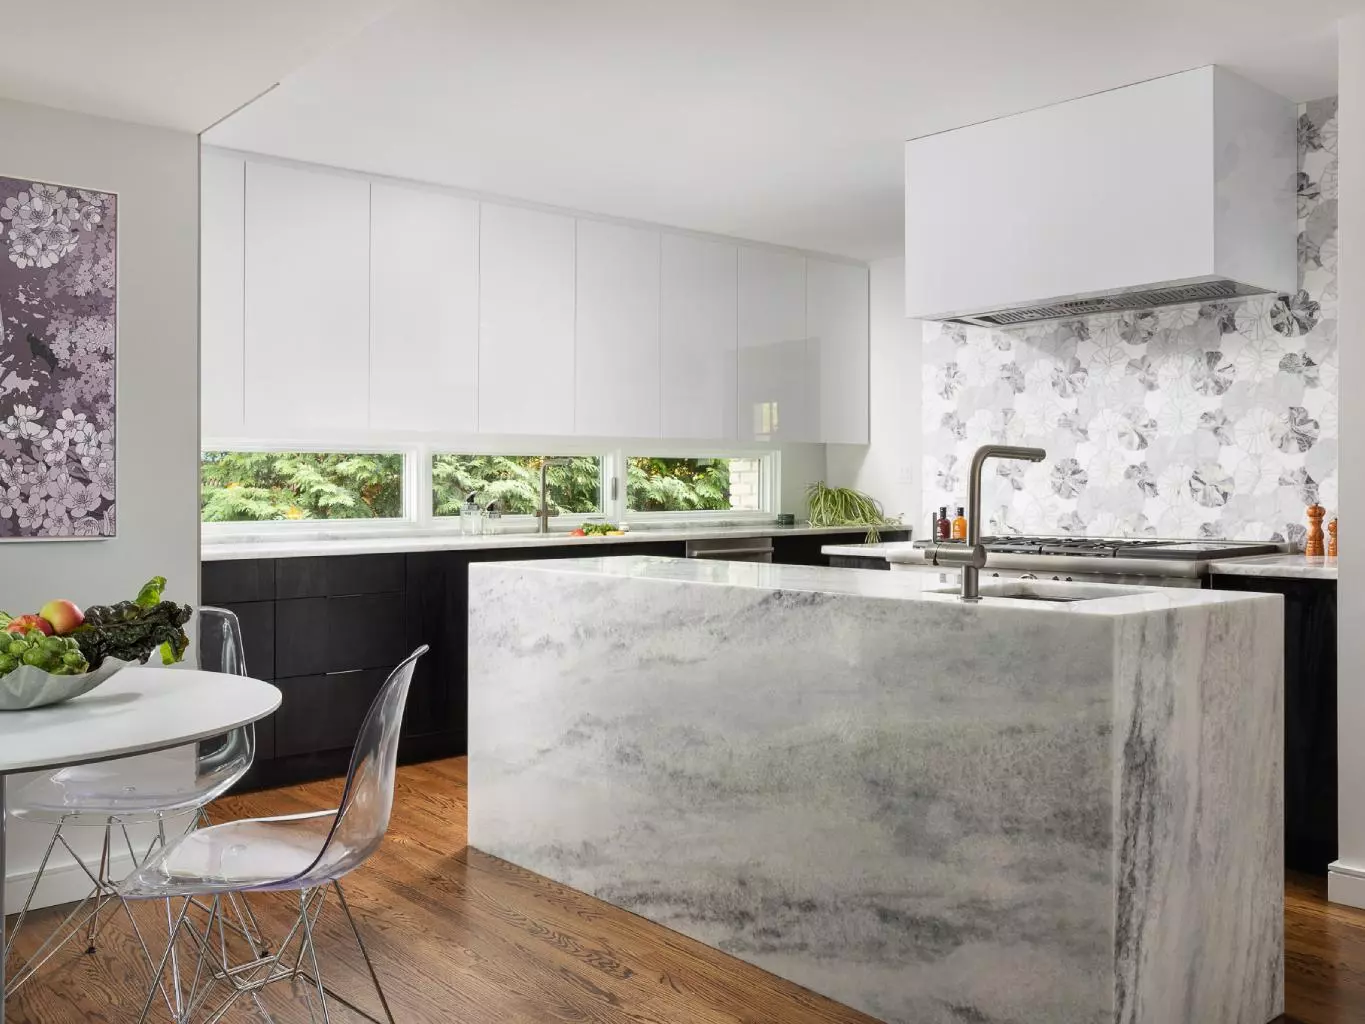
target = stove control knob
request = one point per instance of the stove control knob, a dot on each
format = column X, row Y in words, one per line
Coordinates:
column 1070, row 580
column 1057, row 579
column 1028, row 576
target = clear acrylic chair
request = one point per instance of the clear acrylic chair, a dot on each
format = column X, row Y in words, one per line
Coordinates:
column 303, row 853
column 146, row 789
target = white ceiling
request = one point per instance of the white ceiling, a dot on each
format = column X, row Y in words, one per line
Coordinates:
column 173, row 63
column 779, row 120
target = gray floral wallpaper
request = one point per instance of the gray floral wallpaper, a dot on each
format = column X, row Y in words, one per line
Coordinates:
column 58, row 318
column 1191, row 421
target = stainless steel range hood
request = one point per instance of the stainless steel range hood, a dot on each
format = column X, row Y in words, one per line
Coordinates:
column 1176, row 190
column 1112, row 302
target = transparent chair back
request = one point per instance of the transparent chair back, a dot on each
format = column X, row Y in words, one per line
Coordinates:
column 148, row 787
column 221, row 650
column 297, row 851
column 362, row 818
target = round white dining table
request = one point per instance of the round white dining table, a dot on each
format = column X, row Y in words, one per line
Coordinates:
column 137, row 711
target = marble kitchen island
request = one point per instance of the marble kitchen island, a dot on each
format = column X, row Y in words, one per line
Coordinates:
column 1011, row 812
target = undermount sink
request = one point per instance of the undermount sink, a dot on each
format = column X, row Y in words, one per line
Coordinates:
column 1050, row 591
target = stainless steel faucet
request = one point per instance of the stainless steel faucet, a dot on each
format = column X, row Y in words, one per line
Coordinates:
column 544, row 513
column 972, row 556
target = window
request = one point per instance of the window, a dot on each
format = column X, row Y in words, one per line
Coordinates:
column 692, row 485
column 573, row 483
column 258, row 486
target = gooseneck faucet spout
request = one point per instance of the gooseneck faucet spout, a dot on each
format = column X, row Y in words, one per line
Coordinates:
column 972, row 556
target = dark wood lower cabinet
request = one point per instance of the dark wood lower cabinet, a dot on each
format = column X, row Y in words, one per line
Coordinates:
column 1310, row 715
column 328, row 630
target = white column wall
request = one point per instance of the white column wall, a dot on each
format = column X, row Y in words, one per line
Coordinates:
column 156, row 175
column 1346, row 879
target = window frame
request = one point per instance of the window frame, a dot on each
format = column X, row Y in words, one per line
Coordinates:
column 768, row 485
column 418, row 488
column 294, row 527
column 513, row 522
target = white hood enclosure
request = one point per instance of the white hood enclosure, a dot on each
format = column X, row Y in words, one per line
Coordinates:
column 1179, row 189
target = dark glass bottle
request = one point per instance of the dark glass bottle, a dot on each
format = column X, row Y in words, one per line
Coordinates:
column 945, row 526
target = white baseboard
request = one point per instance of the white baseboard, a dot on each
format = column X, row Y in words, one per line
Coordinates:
column 63, row 882
column 1346, row 884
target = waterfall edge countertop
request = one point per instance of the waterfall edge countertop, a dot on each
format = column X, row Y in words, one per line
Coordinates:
column 1039, row 807
column 276, row 546
column 1287, row 566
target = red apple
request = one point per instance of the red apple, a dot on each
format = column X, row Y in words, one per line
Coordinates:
column 63, row 615
column 26, row 622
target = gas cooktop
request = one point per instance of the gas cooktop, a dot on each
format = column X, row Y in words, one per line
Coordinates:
column 1126, row 547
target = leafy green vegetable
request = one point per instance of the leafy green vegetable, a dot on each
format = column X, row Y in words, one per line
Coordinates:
column 598, row 529
column 150, row 594
column 131, row 630
column 843, row 506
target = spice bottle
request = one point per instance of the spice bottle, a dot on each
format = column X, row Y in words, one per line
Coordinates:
column 945, row 528
column 959, row 525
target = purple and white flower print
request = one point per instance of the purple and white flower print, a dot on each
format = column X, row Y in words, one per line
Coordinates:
column 58, row 321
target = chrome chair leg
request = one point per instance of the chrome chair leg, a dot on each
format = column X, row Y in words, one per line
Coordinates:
column 313, row 955
column 161, row 967
column 365, row 953
column 32, row 890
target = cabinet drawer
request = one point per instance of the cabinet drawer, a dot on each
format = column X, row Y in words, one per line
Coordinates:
column 338, row 575
column 323, row 712
column 314, row 635
column 257, row 619
column 238, row 580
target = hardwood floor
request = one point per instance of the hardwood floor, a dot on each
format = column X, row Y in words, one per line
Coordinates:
column 462, row 938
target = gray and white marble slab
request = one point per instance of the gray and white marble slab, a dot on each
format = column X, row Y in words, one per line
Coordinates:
column 1006, row 813
column 1286, row 565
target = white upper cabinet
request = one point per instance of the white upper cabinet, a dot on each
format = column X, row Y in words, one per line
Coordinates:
column 526, row 321
column 307, row 301
column 778, row 400
column 698, row 330
column 424, row 311
column 837, row 324
column 1179, row 181
column 222, row 182
column 617, row 367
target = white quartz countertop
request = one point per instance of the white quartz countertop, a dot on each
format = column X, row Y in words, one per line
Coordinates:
column 1098, row 598
column 340, row 544
column 1289, row 566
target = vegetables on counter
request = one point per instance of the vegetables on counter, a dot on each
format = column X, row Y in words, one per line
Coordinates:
column 598, row 530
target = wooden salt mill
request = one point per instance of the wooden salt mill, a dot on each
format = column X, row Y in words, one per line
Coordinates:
column 1332, row 538
column 1313, row 547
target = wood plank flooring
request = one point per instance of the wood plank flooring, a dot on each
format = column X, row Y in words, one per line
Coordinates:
column 462, row 938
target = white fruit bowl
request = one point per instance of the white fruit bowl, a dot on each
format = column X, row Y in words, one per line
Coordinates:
column 30, row 687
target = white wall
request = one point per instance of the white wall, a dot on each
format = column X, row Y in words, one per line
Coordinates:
column 156, row 175
column 888, row 468
column 1346, row 879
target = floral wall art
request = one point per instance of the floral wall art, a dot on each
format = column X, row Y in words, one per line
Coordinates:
column 58, row 316
column 1214, row 421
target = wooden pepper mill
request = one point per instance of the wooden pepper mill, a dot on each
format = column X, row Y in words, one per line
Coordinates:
column 1313, row 547
column 1332, row 538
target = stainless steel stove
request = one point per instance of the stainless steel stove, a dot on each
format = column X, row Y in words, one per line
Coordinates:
column 1142, row 561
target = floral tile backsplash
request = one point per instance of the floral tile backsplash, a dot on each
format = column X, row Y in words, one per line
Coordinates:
column 1213, row 421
